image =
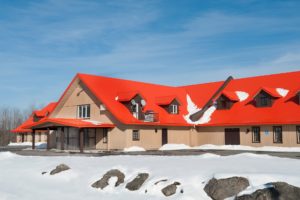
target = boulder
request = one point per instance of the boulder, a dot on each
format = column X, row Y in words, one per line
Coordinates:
column 219, row 189
column 137, row 182
column 170, row 189
column 59, row 168
column 103, row 182
column 278, row 191
column 163, row 180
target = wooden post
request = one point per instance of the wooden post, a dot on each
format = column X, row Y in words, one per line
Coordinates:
column 48, row 139
column 33, row 139
column 62, row 139
column 81, row 140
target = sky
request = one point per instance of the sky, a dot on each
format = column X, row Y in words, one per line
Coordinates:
column 44, row 43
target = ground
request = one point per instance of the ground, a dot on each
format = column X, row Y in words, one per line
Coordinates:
column 21, row 176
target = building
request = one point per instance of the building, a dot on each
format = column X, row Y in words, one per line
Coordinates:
column 103, row 113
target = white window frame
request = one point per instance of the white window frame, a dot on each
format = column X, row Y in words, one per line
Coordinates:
column 174, row 109
column 82, row 111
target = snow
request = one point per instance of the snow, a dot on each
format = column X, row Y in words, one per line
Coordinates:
column 174, row 147
column 117, row 98
column 38, row 145
column 21, row 176
column 192, row 108
column 282, row 92
column 242, row 95
column 134, row 148
column 248, row 148
column 93, row 122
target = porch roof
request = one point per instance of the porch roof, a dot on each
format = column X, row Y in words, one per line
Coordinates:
column 77, row 123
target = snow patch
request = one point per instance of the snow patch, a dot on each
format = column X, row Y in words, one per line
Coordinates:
column 38, row 145
column 282, row 92
column 192, row 108
column 174, row 147
column 117, row 98
column 133, row 149
column 248, row 148
column 242, row 95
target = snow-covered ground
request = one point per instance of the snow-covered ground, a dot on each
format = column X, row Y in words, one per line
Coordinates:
column 134, row 149
column 38, row 145
column 230, row 147
column 21, row 176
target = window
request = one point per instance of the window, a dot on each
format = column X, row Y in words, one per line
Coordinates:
column 223, row 103
column 105, row 131
column 256, row 134
column 83, row 111
column 277, row 134
column 298, row 134
column 174, row 109
column 135, row 135
column 263, row 99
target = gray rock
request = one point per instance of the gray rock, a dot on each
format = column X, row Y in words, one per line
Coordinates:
column 278, row 191
column 137, row 182
column 103, row 182
column 59, row 168
column 170, row 189
column 163, row 180
column 219, row 189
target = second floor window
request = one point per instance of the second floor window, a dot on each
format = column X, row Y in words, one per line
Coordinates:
column 84, row 111
column 135, row 135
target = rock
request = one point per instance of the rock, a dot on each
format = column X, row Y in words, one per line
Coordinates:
column 103, row 182
column 44, row 173
column 137, row 182
column 170, row 189
column 219, row 189
column 278, row 191
column 59, row 168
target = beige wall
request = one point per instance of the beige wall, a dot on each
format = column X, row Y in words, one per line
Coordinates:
column 215, row 135
column 39, row 137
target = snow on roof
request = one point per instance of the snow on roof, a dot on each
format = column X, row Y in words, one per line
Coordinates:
column 242, row 95
column 282, row 92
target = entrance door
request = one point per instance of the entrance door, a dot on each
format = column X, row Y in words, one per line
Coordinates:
column 164, row 136
column 232, row 136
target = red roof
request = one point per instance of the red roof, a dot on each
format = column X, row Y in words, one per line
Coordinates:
column 25, row 126
column 112, row 91
column 166, row 100
column 78, row 123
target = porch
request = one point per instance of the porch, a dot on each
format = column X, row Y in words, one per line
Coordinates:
column 73, row 134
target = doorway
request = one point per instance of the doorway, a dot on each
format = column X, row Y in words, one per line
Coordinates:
column 164, row 136
column 232, row 136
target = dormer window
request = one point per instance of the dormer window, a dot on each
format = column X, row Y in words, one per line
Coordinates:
column 226, row 100
column 134, row 102
column 263, row 99
column 298, row 97
column 169, row 103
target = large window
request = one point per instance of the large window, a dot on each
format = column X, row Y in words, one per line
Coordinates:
column 256, row 134
column 298, row 134
column 277, row 134
column 135, row 135
column 174, row 109
column 263, row 99
column 83, row 111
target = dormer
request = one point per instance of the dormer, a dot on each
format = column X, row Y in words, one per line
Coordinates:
column 226, row 100
column 298, row 97
column 134, row 102
column 266, row 97
column 169, row 103
column 38, row 115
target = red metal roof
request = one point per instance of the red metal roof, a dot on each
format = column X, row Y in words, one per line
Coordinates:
column 25, row 126
column 126, row 96
column 78, row 123
column 230, row 95
column 165, row 100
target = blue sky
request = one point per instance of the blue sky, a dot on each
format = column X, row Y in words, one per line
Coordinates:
column 44, row 43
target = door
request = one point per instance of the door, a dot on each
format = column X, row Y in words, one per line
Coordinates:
column 232, row 136
column 164, row 136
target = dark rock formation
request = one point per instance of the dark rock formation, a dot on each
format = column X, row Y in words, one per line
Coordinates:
column 137, row 182
column 59, row 168
column 170, row 189
column 103, row 182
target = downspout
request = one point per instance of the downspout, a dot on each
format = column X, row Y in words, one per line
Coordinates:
column 196, row 116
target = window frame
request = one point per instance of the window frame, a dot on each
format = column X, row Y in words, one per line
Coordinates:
column 255, row 132
column 274, row 133
column 298, row 134
column 135, row 135
column 263, row 100
column 84, row 111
